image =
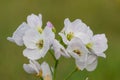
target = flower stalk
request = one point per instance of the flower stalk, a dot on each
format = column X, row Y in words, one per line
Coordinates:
column 69, row 75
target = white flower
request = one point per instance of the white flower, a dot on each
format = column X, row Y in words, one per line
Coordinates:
column 96, row 46
column 18, row 34
column 59, row 50
column 33, row 21
column 78, row 50
column 37, row 44
column 75, row 29
column 42, row 70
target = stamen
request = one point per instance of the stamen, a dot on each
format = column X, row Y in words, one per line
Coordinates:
column 77, row 52
column 40, row 44
column 70, row 36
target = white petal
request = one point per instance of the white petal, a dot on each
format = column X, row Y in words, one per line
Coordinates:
column 36, row 64
column 64, row 38
column 80, row 64
column 45, row 49
column 59, row 50
column 101, row 55
column 66, row 23
column 76, row 44
column 99, row 43
column 85, row 38
column 77, row 26
column 49, row 34
column 91, row 58
column 34, row 20
column 46, row 70
column 33, row 54
column 10, row 39
column 18, row 34
column 92, row 66
column 31, row 37
column 29, row 69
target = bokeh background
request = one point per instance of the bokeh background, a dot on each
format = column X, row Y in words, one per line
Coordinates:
column 103, row 16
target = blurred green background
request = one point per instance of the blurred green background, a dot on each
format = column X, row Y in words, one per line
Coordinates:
column 101, row 15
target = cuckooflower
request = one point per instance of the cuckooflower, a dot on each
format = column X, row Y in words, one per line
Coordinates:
column 75, row 29
column 77, row 50
column 42, row 71
column 37, row 44
column 33, row 21
column 18, row 34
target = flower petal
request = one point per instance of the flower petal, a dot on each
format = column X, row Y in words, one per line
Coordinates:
column 99, row 43
column 80, row 64
column 59, row 50
column 31, row 37
column 33, row 54
column 64, row 38
column 76, row 44
column 49, row 34
column 34, row 20
column 92, row 66
column 46, row 70
column 18, row 34
column 91, row 58
column 29, row 69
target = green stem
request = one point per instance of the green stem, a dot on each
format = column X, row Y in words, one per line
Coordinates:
column 41, row 78
column 55, row 68
column 71, row 74
column 52, row 55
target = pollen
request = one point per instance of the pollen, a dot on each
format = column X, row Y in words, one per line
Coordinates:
column 70, row 35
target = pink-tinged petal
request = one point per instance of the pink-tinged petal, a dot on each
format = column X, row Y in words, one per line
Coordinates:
column 49, row 24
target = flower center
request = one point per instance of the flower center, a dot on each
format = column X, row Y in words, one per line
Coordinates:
column 40, row 44
column 77, row 52
column 70, row 35
column 40, row 74
column 39, row 29
column 89, row 45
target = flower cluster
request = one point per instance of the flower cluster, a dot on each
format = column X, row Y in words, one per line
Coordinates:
column 76, row 41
